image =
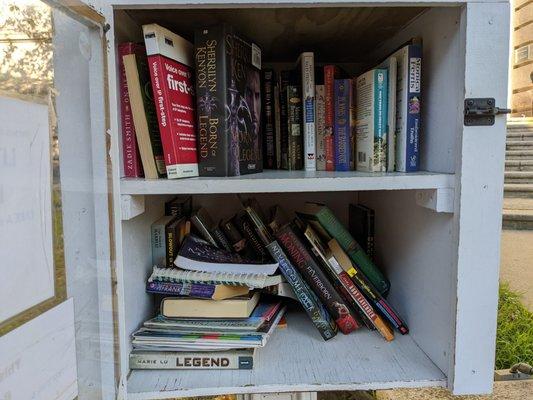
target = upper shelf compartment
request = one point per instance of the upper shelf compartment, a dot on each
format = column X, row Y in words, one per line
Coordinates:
column 290, row 181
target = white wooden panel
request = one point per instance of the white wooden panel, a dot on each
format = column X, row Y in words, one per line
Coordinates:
column 25, row 206
column 479, row 201
column 297, row 359
column 290, row 181
column 38, row 359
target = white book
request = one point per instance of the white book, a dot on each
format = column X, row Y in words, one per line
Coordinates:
column 306, row 63
column 391, row 65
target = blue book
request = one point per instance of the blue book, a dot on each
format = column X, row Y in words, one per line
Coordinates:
column 408, row 99
column 342, row 125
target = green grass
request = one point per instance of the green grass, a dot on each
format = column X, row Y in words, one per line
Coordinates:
column 514, row 339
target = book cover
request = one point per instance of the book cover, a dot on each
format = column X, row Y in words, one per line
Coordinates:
column 232, row 359
column 268, row 119
column 170, row 59
column 245, row 226
column 180, row 206
column 306, row 63
column 159, row 240
column 367, row 288
column 196, row 254
column 172, row 239
column 200, row 290
column 342, row 124
column 326, row 219
column 131, row 158
column 361, row 227
column 202, row 222
column 294, row 126
column 236, row 239
column 228, row 88
column 284, row 81
column 408, row 102
column 307, row 298
column 391, row 65
column 371, row 120
column 144, row 115
column 331, row 72
column 314, row 276
column 320, row 128
column 351, row 292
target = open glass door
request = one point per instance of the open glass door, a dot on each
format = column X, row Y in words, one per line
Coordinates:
column 57, row 338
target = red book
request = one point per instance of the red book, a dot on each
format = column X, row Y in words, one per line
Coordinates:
column 169, row 59
column 130, row 151
column 331, row 72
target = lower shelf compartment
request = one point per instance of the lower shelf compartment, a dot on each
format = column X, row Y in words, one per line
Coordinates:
column 296, row 359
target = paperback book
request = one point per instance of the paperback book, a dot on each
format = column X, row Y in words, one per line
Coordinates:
column 306, row 65
column 331, row 72
column 342, row 124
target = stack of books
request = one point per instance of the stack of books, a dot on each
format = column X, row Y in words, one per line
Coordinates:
column 226, row 287
column 213, row 111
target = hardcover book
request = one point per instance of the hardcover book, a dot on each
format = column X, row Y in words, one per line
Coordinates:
column 371, row 120
column 144, row 115
column 200, row 290
column 231, row 359
column 294, row 124
column 331, row 72
column 180, row 206
column 320, row 128
column 131, row 158
column 228, row 88
column 408, row 100
column 268, row 119
column 307, row 298
column 314, row 276
column 342, row 130
column 170, row 59
column 306, row 63
column 361, row 227
column 326, row 220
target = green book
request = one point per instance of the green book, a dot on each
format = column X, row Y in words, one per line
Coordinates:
column 328, row 225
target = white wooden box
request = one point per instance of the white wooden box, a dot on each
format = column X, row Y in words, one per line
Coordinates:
column 437, row 231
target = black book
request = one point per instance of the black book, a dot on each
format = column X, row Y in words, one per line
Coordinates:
column 172, row 237
column 228, row 93
column 245, row 226
column 294, row 126
column 236, row 239
column 283, row 126
column 268, row 119
column 361, row 227
column 208, row 230
column 180, row 206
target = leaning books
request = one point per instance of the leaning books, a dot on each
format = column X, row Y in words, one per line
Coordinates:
column 170, row 58
column 228, row 89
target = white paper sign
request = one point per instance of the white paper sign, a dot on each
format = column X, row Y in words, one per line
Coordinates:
column 26, row 261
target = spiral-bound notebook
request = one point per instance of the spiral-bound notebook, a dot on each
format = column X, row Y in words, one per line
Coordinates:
column 256, row 281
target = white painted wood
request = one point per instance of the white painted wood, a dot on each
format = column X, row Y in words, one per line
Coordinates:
column 439, row 200
column 38, row 360
column 479, row 197
column 297, row 359
column 279, row 396
column 131, row 206
column 290, row 181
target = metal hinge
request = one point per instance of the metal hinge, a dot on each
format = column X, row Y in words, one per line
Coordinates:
column 481, row 111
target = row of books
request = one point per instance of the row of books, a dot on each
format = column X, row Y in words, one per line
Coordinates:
column 215, row 288
column 209, row 109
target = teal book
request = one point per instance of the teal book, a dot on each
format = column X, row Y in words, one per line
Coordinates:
column 371, row 120
column 326, row 224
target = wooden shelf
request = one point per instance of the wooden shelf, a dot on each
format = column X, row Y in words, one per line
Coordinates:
column 297, row 359
column 272, row 181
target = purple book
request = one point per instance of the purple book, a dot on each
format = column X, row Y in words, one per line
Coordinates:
column 205, row 291
column 342, row 135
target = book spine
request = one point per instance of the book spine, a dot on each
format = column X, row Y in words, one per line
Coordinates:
column 202, row 229
column 412, row 108
column 130, row 150
column 172, row 85
column 332, row 225
column 360, row 301
column 212, row 70
column 342, row 116
column 370, row 245
column 320, row 128
column 179, row 208
column 311, row 304
column 204, row 291
column 171, row 238
column 191, row 360
column 308, row 101
column 221, row 239
column 246, row 228
column 238, row 243
column 294, row 124
column 284, row 124
column 158, row 245
column 277, row 126
column 380, row 120
column 316, row 279
column 268, row 123
column 330, row 73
